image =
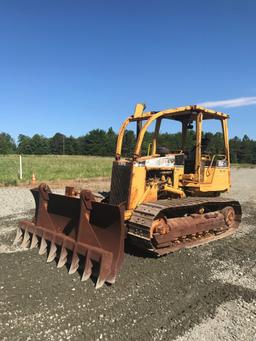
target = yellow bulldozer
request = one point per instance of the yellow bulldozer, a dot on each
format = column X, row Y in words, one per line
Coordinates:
column 159, row 202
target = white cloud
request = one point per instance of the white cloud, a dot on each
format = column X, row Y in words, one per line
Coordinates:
column 231, row 103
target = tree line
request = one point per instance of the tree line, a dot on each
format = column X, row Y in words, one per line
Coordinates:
column 102, row 143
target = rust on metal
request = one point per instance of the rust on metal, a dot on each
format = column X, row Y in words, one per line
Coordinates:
column 92, row 232
column 169, row 225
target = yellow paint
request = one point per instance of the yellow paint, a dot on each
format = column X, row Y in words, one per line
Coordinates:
column 215, row 179
column 128, row 214
column 139, row 108
column 173, row 190
column 178, row 173
column 150, row 194
column 145, row 187
column 120, row 138
column 199, row 119
column 137, row 186
column 149, row 147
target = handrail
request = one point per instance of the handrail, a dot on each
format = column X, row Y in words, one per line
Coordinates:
column 212, row 160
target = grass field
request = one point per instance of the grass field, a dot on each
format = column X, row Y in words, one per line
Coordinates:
column 58, row 167
column 52, row 167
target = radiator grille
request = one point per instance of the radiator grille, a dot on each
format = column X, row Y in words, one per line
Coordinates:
column 120, row 183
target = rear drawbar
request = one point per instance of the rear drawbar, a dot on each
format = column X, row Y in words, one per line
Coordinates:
column 79, row 231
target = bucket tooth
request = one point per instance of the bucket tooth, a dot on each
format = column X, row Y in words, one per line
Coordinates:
column 74, row 264
column 43, row 246
column 78, row 232
column 100, row 283
column 52, row 253
column 18, row 237
column 34, row 241
column 63, row 257
column 104, row 272
column 111, row 279
column 26, row 240
column 87, row 267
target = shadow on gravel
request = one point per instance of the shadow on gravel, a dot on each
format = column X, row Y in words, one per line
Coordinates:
column 135, row 251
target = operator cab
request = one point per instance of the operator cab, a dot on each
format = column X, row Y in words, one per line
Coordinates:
column 165, row 165
column 190, row 145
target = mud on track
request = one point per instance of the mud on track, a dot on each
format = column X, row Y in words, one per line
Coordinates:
column 203, row 293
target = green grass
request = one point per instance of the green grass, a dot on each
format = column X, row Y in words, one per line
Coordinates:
column 52, row 167
column 58, row 167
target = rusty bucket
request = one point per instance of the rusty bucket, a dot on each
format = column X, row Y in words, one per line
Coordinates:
column 78, row 231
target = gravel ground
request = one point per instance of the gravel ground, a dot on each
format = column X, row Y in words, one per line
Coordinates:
column 204, row 293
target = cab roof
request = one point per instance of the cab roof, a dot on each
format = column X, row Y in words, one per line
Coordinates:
column 181, row 113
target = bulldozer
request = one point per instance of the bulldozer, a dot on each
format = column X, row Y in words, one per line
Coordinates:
column 159, row 202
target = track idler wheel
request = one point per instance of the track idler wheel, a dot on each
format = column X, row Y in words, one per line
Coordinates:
column 229, row 215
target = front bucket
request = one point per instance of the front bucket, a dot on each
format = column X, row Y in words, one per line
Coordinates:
column 79, row 231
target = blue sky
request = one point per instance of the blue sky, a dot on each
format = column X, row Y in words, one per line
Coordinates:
column 72, row 66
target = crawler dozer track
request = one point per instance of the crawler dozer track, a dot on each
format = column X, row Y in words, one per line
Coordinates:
column 168, row 225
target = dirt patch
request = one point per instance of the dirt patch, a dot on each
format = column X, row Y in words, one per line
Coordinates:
column 93, row 183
